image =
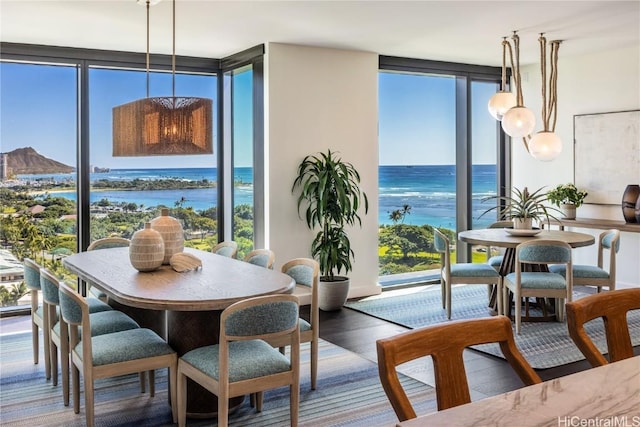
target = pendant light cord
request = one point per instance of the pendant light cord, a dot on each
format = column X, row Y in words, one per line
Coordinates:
column 173, row 56
column 148, row 7
column 549, row 105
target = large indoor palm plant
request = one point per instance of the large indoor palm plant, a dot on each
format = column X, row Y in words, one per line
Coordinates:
column 331, row 197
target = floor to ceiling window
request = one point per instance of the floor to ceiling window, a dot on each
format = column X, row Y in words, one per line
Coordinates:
column 438, row 157
column 38, row 139
column 128, row 191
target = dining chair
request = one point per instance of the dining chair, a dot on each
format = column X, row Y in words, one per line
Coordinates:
column 105, row 243
column 102, row 322
column 228, row 248
column 305, row 271
column 445, row 343
column 591, row 275
column 539, row 254
column 110, row 355
column 495, row 261
column 262, row 257
column 32, row 281
column 612, row 307
column 461, row 273
column 243, row 362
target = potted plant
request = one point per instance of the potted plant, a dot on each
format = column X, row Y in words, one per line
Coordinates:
column 523, row 207
column 567, row 197
column 331, row 196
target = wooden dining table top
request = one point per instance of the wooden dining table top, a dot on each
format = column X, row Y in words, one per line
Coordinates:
column 220, row 282
column 609, row 393
column 501, row 238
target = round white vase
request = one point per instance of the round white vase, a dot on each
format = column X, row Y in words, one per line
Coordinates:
column 146, row 250
column 172, row 234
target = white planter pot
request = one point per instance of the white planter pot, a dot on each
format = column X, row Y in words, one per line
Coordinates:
column 522, row 223
column 568, row 210
column 333, row 295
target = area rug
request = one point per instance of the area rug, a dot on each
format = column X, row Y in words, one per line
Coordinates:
column 348, row 394
column 543, row 344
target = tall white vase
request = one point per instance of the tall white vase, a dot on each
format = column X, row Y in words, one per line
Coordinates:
column 172, row 234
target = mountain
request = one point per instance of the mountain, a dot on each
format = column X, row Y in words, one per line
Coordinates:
column 28, row 161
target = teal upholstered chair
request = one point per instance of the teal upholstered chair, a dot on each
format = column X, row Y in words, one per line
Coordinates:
column 242, row 362
column 32, row 281
column 228, row 249
column 102, row 322
column 495, row 261
column 106, row 243
column 262, row 257
column 599, row 276
column 541, row 283
column 110, row 355
column 305, row 271
column 461, row 273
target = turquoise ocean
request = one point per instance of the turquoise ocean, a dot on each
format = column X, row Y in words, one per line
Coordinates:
column 429, row 190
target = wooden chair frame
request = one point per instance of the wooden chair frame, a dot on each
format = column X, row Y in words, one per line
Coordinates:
column 37, row 319
column 262, row 252
column 613, row 249
column 612, row 307
column 445, row 344
column 447, row 280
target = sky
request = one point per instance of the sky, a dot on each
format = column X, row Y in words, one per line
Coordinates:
column 37, row 109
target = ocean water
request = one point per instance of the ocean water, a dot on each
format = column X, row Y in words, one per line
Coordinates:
column 429, row 190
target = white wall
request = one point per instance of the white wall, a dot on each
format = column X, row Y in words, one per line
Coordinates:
column 318, row 99
column 596, row 83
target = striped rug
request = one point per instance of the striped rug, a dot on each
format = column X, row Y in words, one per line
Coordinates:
column 348, row 394
column 543, row 344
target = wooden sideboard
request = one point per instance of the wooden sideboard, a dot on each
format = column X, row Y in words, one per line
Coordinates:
column 600, row 224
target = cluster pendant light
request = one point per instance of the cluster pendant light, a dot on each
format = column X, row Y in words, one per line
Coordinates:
column 162, row 126
column 517, row 120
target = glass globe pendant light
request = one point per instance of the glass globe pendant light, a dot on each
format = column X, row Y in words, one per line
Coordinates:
column 546, row 145
column 518, row 121
column 503, row 100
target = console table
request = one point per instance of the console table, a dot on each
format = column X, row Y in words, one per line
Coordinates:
column 600, row 224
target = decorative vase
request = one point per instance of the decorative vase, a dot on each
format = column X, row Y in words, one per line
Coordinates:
column 629, row 202
column 172, row 234
column 146, row 250
column 522, row 223
column 333, row 295
column 568, row 210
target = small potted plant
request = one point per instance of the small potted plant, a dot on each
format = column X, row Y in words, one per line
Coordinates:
column 523, row 208
column 330, row 191
column 567, row 197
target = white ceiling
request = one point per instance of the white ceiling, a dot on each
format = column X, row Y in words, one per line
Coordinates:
column 458, row 31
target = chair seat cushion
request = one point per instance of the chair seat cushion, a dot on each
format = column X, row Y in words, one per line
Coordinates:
column 96, row 306
column 538, row 280
column 495, row 261
column 127, row 345
column 106, row 322
column 473, row 270
column 247, row 359
column 581, row 271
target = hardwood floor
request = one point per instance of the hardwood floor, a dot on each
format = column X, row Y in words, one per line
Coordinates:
column 487, row 375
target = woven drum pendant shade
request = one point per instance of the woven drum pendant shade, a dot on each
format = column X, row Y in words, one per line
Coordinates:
column 163, row 126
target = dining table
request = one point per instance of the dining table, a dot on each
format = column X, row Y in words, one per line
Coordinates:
column 185, row 307
column 509, row 239
column 607, row 395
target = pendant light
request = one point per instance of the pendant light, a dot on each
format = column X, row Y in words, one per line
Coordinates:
column 503, row 100
column 546, row 145
column 162, row 126
column 519, row 121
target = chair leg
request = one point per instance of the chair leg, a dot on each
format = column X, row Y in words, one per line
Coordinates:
column 517, row 303
column 448, row 292
column 294, row 405
column 173, row 387
column 88, row 398
column 53, row 348
column 499, row 297
column 75, row 380
column 259, row 398
column 444, row 293
column 181, row 389
column 64, row 362
column 143, row 381
column 223, row 409
column 314, row 363
column 46, row 340
column 152, row 383
column 35, row 333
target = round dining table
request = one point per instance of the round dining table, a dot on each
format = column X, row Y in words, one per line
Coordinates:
column 509, row 239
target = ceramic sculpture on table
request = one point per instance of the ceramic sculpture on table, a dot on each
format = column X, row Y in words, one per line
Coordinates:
column 171, row 231
column 146, row 251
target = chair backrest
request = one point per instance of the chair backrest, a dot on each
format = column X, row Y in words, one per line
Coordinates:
column 612, row 307
column 74, row 310
column 227, row 248
column 262, row 257
column 50, row 286
column 31, row 274
column 441, row 244
column 498, row 224
column 445, row 344
column 109, row 242
column 306, row 271
column 609, row 240
column 259, row 317
column 543, row 251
